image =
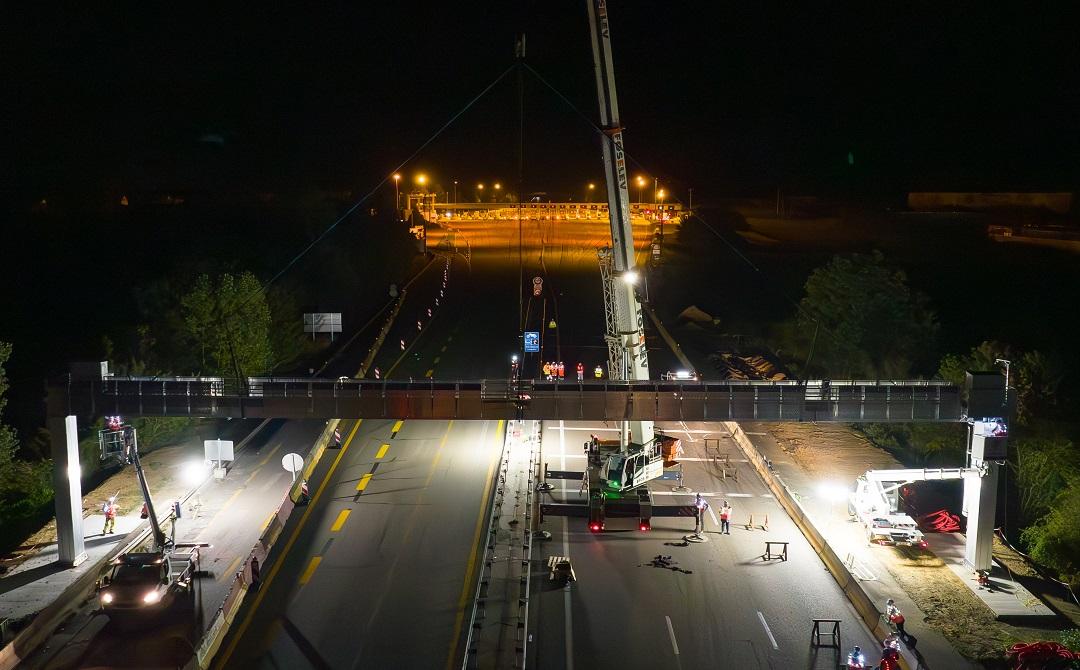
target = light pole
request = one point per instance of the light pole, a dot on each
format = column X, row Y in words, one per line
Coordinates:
column 455, row 190
column 588, row 194
column 479, row 193
column 690, row 205
column 660, row 212
column 640, row 188
column 397, row 196
column 498, row 187
column 1007, row 364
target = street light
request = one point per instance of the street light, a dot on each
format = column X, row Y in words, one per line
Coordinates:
column 640, row 188
column 421, row 179
column 455, row 190
column 498, row 187
column 630, row 277
column 397, row 197
column 588, row 195
column 660, row 210
column 479, row 193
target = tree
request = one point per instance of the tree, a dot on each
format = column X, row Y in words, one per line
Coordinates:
column 227, row 325
column 1035, row 376
column 1055, row 540
column 9, row 442
column 867, row 321
column 1043, row 468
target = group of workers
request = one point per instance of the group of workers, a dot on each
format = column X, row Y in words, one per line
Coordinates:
column 553, row 370
column 890, row 646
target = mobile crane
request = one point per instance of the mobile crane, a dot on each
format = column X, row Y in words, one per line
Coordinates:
column 145, row 582
column 638, row 458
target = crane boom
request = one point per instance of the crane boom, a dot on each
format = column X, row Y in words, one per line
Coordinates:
column 628, row 358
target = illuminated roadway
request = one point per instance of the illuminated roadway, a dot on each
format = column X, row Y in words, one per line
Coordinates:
column 373, row 572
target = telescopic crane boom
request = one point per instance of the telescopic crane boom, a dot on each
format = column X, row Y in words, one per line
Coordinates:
column 627, row 356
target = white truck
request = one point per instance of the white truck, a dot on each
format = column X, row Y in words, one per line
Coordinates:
column 876, row 504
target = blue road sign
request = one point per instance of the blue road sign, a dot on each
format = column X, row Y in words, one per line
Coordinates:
column 532, row 342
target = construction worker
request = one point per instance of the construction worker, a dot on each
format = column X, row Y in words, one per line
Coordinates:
column 725, row 519
column 700, row 504
column 580, row 372
column 856, row 660
column 110, row 510
column 598, row 372
column 562, row 370
column 896, row 618
column 547, row 371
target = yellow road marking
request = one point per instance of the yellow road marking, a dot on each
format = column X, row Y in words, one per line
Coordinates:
column 382, row 451
column 342, row 515
column 233, row 497
column 438, row 453
column 230, row 572
column 396, row 428
column 437, row 359
column 267, row 522
column 268, row 456
column 471, row 566
column 315, row 560
column 429, row 373
column 285, row 552
column 363, row 482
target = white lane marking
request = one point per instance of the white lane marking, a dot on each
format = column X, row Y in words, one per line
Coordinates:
column 767, row 631
column 568, row 613
column 671, row 634
column 748, row 433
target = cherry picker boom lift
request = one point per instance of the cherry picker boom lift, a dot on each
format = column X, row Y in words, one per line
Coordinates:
column 141, row 583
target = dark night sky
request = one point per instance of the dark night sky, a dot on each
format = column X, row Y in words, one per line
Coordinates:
column 724, row 97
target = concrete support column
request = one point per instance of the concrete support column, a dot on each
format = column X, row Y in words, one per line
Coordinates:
column 67, row 482
column 980, row 505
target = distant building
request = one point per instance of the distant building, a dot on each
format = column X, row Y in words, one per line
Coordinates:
column 1060, row 203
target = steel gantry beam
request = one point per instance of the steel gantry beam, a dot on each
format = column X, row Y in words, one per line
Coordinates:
column 816, row 400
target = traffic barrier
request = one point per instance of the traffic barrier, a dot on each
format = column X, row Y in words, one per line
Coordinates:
column 765, row 526
column 851, row 586
column 750, row 522
column 249, row 574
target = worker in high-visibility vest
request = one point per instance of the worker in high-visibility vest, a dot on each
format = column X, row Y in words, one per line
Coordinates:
column 580, row 372
column 547, row 371
column 598, row 372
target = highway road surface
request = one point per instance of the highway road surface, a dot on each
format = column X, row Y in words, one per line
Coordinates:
column 723, row 606
column 377, row 571
column 229, row 515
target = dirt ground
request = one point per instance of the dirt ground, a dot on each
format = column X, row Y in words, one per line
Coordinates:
column 160, row 467
column 840, row 452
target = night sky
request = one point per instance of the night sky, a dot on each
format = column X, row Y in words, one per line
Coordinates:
column 728, row 98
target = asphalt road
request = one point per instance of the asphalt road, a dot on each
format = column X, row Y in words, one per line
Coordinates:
column 732, row 609
column 229, row 515
column 373, row 573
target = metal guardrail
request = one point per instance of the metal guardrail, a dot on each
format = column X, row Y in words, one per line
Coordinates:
column 260, row 397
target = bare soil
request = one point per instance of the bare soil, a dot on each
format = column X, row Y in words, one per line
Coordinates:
column 161, row 466
column 839, row 452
